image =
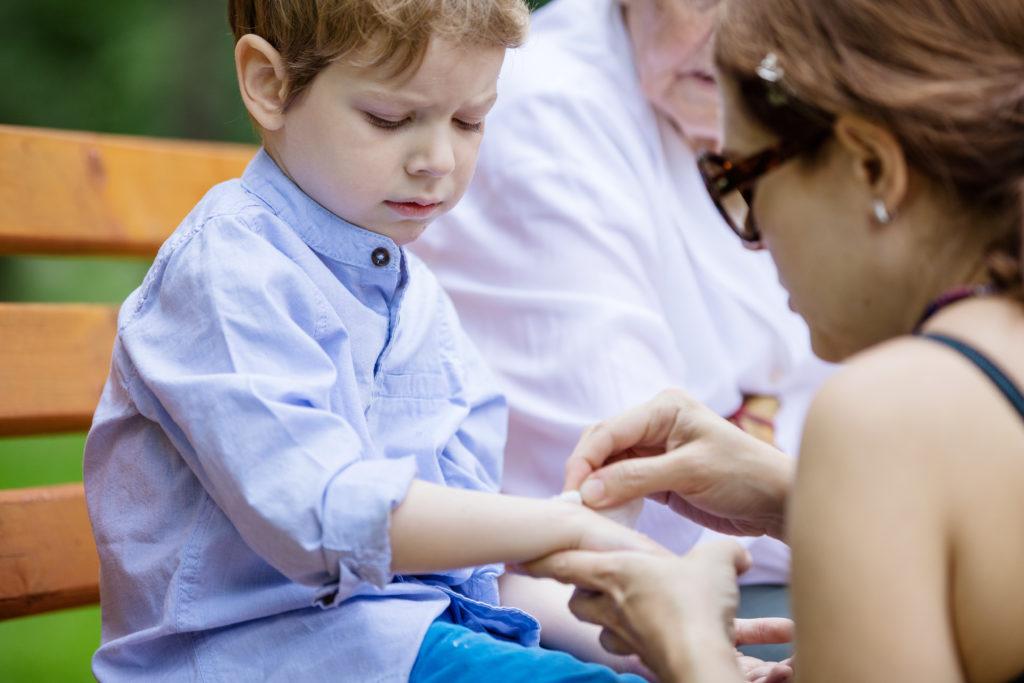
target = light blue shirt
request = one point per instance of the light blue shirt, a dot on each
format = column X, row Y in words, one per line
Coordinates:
column 278, row 380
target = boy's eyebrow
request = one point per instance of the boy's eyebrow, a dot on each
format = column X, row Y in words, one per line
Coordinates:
column 411, row 101
column 392, row 96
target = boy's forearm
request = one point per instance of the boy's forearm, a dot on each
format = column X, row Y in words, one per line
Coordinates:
column 437, row 528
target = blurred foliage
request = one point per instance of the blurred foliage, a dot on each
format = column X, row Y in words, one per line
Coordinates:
column 136, row 67
column 121, row 66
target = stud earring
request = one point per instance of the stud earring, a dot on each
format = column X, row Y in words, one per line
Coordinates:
column 882, row 214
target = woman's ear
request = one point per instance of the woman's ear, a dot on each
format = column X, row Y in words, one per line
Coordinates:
column 262, row 80
column 879, row 163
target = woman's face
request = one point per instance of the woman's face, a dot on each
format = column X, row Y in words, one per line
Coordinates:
column 843, row 277
column 672, row 46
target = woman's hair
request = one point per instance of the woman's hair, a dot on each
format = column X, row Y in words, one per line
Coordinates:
column 946, row 77
column 310, row 34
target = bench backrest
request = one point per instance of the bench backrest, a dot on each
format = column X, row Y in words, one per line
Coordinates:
column 75, row 193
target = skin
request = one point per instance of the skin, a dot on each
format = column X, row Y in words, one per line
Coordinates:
column 672, row 42
column 615, row 587
column 437, row 528
column 910, row 464
column 360, row 138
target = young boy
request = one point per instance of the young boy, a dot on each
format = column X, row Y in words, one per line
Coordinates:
column 297, row 443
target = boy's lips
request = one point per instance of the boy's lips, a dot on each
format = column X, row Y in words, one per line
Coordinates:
column 416, row 208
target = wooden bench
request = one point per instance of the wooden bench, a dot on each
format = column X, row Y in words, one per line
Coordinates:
column 68, row 193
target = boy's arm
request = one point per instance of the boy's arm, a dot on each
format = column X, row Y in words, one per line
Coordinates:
column 437, row 528
column 213, row 355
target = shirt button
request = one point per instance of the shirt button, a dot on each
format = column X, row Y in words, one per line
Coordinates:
column 380, row 257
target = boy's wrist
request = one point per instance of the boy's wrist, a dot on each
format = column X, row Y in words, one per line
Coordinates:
column 570, row 524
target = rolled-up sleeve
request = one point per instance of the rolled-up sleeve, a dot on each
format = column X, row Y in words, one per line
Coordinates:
column 225, row 353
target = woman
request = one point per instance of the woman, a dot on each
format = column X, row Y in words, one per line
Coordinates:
column 881, row 143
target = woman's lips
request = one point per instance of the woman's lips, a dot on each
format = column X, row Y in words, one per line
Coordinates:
column 701, row 77
column 413, row 209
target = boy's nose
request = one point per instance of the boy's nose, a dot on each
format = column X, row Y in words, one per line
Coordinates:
column 436, row 156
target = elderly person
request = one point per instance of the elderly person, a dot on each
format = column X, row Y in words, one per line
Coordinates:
column 591, row 268
column 876, row 149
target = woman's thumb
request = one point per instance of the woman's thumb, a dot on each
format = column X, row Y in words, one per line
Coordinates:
column 626, row 480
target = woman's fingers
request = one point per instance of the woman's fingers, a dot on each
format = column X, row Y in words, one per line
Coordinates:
column 593, row 607
column 763, row 631
column 599, row 608
column 584, row 569
column 645, row 425
column 611, row 642
column 780, row 673
column 758, row 671
column 723, row 552
column 627, row 480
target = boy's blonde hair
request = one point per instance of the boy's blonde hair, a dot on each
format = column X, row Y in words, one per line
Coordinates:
column 310, row 34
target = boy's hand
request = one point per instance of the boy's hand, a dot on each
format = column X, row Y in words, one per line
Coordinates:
column 597, row 533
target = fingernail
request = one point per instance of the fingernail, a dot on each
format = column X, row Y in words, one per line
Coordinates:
column 592, row 491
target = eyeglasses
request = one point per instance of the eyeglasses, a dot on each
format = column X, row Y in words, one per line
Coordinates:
column 731, row 183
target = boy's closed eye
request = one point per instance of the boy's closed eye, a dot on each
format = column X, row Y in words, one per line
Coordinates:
column 386, row 123
column 472, row 126
column 393, row 124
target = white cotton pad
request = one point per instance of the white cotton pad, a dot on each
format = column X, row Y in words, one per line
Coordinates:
column 574, row 497
column 626, row 515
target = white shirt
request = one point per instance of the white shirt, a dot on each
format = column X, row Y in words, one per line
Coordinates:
column 592, row 269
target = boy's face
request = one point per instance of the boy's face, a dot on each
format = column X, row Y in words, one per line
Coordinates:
column 390, row 154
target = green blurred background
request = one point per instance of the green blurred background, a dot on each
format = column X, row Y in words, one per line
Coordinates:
column 138, row 67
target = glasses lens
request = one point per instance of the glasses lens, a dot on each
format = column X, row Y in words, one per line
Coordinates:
column 734, row 205
column 736, row 211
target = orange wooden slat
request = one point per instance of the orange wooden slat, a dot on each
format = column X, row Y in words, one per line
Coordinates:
column 48, row 558
column 54, row 359
column 65, row 192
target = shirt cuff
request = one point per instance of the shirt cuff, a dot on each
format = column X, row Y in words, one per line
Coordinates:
column 357, row 519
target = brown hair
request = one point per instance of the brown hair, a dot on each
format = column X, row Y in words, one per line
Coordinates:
column 310, row 34
column 945, row 76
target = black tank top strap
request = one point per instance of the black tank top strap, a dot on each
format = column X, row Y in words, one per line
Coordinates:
column 1002, row 381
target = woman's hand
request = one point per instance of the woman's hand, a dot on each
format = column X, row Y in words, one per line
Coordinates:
column 678, row 452
column 676, row 613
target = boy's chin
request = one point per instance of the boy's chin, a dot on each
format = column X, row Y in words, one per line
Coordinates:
column 405, row 233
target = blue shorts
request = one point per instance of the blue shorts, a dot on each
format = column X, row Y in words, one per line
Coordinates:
column 452, row 653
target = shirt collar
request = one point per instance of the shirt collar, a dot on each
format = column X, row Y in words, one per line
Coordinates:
column 325, row 232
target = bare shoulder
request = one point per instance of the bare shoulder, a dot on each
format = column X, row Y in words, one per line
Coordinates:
column 887, row 393
column 911, row 457
column 920, row 399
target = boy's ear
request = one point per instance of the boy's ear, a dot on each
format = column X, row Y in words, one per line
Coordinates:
column 261, row 80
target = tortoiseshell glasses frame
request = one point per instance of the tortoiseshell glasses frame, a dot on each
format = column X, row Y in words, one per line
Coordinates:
column 724, row 177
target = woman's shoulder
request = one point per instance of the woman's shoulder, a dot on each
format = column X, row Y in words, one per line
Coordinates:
column 914, row 395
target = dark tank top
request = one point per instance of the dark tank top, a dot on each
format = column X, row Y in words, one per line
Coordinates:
column 999, row 378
